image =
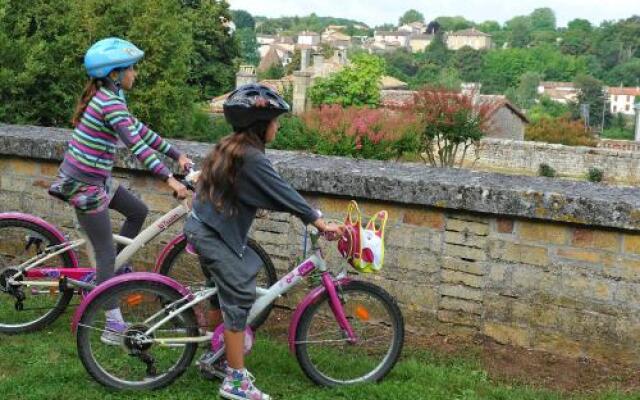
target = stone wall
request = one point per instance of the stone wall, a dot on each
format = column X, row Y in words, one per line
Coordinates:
column 620, row 165
column 535, row 262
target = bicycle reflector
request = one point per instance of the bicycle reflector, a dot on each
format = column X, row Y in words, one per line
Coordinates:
column 362, row 313
column 363, row 247
column 133, row 300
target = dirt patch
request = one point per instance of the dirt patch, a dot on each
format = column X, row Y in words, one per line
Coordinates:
column 509, row 364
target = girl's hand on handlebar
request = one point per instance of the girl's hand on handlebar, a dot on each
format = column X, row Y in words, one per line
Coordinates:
column 331, row 231
column 179, row 190
column 185, row 162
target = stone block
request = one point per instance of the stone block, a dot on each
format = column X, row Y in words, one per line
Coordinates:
column 574, row 254
column 461, row 292
column 458, row 318
column 476, row 228
column 426, row 218
column 631, row 243
column 464, row 252
column 543, row 232
column 465, row 239
column 504, row 225
column 470, row 267
column 466, row 306
column 596, row 239
column 507, row 334
column 557, row 343
column 26, row 167
column 456, row 277
column 520, row 253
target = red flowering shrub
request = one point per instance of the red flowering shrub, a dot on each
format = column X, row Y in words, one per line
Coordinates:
column 450, row 122
column 363, row 132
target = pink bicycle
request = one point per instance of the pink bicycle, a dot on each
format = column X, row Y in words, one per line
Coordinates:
column 40, row 272
column 343, row 332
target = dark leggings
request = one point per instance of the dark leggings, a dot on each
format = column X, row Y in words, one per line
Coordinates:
column 98, row 229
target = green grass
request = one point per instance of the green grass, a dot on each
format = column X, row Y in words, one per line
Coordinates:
column 617, row 133
column 44, row 365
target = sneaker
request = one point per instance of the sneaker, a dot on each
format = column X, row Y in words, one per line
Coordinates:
column 238, row 385
column 113, row 332
column 212, row 369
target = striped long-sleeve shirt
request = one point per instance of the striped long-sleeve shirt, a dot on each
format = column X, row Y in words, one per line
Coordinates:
column 92, row 148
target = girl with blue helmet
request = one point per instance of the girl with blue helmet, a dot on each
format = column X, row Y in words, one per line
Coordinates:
column 102, row 118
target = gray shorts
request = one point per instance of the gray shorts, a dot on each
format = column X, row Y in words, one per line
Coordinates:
column 234, row 277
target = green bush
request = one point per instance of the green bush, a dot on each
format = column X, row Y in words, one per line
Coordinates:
column 595, row 174
column 546, row 170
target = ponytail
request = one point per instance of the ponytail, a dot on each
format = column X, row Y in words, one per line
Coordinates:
column 89, row 91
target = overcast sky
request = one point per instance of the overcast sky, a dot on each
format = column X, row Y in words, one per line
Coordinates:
column 377, row 12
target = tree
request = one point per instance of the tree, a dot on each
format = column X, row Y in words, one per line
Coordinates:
column 275, row 71
column 543, row 19
column 411, row 16
column 453, row 23
column 212, row 62
column 627, row 74
column 591, row 92
column 520, row 31
column 295, row 64
column 488, row 26
column 248, row 45
column 437, row 51
column 357, row 84
column 577, row 38
column 527, row 91
column 469, row 63
column 243, row 19
column 384, row 28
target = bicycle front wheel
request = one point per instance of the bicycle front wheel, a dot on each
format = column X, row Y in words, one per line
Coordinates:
column 325, row 353
column 131, row 359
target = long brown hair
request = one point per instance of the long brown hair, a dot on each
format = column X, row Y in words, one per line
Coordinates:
column 90, row 90
column 217, row 182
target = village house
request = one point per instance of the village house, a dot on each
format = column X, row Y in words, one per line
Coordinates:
column 561, row 92
column 309, row 38
column 420, row 42
column 469, row 37
column 414, row 28
column 622, row 99
column 396, row 38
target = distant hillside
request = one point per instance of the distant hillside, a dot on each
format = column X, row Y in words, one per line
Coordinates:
column 307, row 23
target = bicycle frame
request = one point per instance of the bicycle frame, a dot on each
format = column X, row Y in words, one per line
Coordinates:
column 34, row 276
column 264, row 298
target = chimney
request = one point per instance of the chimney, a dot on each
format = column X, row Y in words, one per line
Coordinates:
column 305, row 56
column 318, row 63
column 301, row 82
column 246, row 75
column 637, row 108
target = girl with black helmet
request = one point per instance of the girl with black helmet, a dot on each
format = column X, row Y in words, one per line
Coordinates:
column 101, row 119
column 237, row 179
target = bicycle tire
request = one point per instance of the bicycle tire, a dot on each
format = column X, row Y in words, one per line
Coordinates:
column 313, row 372
column 83, row 339
column 63, row 298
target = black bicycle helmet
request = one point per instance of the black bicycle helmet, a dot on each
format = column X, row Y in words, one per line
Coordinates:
column 251, row 103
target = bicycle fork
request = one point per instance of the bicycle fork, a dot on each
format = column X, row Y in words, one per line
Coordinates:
column 337, row 308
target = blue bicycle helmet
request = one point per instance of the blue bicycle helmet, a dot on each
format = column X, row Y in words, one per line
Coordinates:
column 108, row 54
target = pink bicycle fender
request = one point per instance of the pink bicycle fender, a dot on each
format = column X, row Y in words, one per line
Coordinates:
column 165, row 251
column 45, row 225
column 134, row 276
column 308, row 300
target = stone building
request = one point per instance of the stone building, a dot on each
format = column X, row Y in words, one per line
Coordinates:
column 469, row 37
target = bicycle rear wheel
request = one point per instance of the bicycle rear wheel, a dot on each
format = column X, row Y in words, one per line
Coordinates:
column 139, row 362
column 184, row 267
column 323, row 350
column 27, row 309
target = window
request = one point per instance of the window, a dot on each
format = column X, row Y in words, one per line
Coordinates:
column 626, row 108
column 615, row 109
